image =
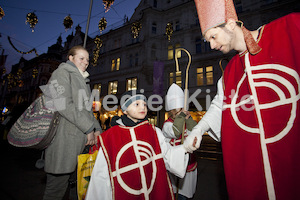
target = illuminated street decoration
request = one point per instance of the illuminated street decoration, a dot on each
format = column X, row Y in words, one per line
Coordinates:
column 96, row 51
column 22, row 52
column 11, row 81
column 32, row 19
column 68, row 22
column 2, row 14
column 19, row 73
column 102, row 24
column 107, row 4
column 169, row 30
column 18, row 78
column 35, row 73
column 135, row 29
column 3, row 71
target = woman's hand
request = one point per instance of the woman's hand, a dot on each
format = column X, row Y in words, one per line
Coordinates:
column 90, row 138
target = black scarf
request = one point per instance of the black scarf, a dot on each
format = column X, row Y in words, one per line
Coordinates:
column 126, row 121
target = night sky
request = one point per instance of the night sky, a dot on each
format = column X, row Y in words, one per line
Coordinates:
column 51, row 14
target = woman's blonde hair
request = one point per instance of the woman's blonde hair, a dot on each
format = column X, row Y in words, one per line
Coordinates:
column 73, row 50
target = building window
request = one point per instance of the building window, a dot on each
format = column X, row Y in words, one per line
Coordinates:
column 155, row 3
column 115, row 64
column 177, row 26
column 170, row 52
column 117, row 43
column 205, row 75
column 112, row 87
column 207, row 47
column 135, row 40
column 154, row 28
column 200, row 77
column 178, row 52
column 43, row 81
column 98, row 87
column 131, row 84
column 118, row 63
column 136, row 59
column 171, row 78
column 102, row 49
column 198, row 45
column 130, row 60
column 153, row 51
column 209, row 75
column 175, row 78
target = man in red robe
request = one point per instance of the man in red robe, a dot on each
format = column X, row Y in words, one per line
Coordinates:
column 257, row 108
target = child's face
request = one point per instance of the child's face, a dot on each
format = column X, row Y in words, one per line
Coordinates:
column 137, row 110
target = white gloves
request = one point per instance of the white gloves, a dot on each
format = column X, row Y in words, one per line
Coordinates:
column 192, row 142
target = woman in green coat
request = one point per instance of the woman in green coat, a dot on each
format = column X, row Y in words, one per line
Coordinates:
column 77, row 128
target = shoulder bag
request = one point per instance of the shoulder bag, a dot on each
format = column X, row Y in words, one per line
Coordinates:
column 36, row 127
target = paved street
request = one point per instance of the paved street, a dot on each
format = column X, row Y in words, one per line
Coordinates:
column 21, row 180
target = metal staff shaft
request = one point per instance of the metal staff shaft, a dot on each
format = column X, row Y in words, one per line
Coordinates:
column 186, row 82
column 185, row 97
column 88, row 24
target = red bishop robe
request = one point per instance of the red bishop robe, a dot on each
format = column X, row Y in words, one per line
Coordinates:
column 261, row 116
column 136, row 166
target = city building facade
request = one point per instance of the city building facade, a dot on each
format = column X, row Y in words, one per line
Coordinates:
column 141, row 52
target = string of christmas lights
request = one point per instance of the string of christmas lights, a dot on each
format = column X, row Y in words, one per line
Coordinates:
column 22, row 52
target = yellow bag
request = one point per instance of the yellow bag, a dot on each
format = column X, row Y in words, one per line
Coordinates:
column 85, row 167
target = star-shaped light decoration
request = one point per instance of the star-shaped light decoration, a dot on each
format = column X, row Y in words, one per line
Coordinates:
column 107, row 4
column 2, row 14
column 135, row 29
column 102, row 24
column 32, row 19
column 35, row 73
column 96, row 51
column 68, row 22
column 169, row 30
